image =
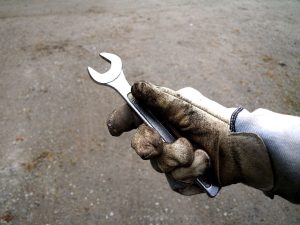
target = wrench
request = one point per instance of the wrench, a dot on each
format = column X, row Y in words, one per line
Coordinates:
column 115, row 79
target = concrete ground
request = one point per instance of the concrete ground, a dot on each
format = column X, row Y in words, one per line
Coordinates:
column 58, row 164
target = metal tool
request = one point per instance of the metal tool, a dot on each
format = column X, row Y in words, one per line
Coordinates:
column 115, row 79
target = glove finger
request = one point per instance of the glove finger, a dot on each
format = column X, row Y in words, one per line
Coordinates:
column 166, row 103
column 147, row 142
column 182, row 187
column 121, row 120
column 177, row 154
column 198, row 167
column 190, row 190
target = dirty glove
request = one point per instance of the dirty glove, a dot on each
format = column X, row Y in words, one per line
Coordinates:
column 207, row 139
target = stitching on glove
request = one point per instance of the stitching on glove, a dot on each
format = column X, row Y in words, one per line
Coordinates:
column 233, row 118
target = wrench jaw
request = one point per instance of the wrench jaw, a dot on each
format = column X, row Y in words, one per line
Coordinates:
column 112, row 74
column 94, row 74
column 109, row 57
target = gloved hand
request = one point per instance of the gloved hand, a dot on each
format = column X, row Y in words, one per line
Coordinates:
column 206, row 139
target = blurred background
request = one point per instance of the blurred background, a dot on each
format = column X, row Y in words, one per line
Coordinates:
column 59, row 165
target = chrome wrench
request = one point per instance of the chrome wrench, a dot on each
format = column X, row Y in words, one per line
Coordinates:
column 115, row 79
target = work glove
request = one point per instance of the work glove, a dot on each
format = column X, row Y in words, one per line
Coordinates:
column 206, row 140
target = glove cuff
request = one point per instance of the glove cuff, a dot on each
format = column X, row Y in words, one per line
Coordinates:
column 243, row 158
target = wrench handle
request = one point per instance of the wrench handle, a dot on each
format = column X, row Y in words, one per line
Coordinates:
column 151, row 120
column 207, row 183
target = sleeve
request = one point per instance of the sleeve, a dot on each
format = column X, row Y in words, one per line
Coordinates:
column 281, row 135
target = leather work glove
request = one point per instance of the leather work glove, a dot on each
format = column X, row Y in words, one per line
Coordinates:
column 206, row 139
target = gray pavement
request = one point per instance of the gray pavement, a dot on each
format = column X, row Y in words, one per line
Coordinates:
column 58, row 164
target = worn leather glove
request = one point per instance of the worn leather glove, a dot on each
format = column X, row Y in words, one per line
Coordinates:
column 206, row 139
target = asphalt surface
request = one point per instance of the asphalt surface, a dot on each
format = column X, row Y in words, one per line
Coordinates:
column 58, row 164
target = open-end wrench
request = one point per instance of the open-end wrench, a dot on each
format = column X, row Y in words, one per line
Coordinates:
column 115, row 79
